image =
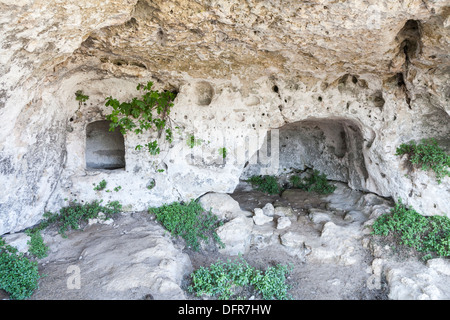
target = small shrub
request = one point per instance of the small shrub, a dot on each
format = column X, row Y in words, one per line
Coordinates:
column 101, row 185
column 223, row 278
column 430, row 235
column 267, row 184
column 427, row 155
column 18, row 275
column 316, row 182
column 36, row 245
column 81, row 97
column 272, row 283
column 189, row 221
column 71, row 216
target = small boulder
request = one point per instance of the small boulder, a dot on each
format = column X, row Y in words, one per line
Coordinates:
column 283, row 222
column 268, row 210
column 222, row 205
column 260, row 218
column 236, row 235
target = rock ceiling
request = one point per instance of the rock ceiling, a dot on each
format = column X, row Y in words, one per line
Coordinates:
column 248, row 39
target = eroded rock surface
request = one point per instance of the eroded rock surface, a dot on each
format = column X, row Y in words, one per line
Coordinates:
column 356, row 79
column 131, row 259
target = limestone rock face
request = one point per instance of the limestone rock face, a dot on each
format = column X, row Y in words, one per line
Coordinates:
column 339, row 85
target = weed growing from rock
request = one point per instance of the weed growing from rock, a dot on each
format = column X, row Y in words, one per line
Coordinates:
column 189, row 221
column 72, row 216
column 101, row 185
column 225, row 280
column 81, row 97
column 430, row 235
column 191, row 141
column 19, row 276
column 223, row 152
column 36, row 245
column 427, row 155
column 149, row 111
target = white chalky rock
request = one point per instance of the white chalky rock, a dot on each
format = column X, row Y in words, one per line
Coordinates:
column 260, row 218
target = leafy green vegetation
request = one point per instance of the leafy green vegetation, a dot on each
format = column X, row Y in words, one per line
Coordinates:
column 151, row 185
column 189, row 221
column 36, row 245
column 70, row 217
column 223, row 152
column 427, row 155
column 192, row 141
column 101, row 185
column 81, row 97
column 430, row 235
column 266, row 183
column 222, row 279
column 316, row 182
column 150, row 111
column 19, row 276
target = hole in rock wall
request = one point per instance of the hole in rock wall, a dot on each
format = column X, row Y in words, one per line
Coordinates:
column 205, row 93
column 104, row 149
column 410, row 39
column 332, row 146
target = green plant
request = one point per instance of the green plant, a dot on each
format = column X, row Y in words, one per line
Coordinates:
column 192, row 141
column 189, row 221
column 151, row 185
column 18, row 275
column 117, row 189
column 221, row 279
column 36, row 245
column 427, row 155
column 223, row 152
column 316, row 182
column 430, row 235
column 80, row 97
column 71, row 216
column 101, row 185
column 150, row 111
column 272, row 283
column 266, row 183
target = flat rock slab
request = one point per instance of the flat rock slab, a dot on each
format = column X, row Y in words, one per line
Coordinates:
column 133, row 258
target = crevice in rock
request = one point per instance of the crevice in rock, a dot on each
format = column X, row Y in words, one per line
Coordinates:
column 410, row 41
column 410, row 37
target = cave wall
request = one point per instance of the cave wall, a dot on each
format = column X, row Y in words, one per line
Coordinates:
column 241, row 69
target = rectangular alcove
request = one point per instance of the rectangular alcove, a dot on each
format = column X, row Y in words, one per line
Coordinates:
column 104, row 149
